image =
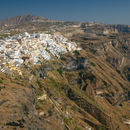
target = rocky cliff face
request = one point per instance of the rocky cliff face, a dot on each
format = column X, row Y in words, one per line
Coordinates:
column 100, row 29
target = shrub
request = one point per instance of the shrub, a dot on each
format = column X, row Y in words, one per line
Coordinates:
column 120, row 104
column 1, row 81
column 50, row 112
column 76, row 52
column 92, row 64
column 60, row 72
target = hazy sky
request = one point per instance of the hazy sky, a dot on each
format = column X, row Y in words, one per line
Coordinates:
column 104, row 11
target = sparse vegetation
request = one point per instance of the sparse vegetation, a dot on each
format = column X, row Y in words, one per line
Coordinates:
column 124, row 116
column 67, row 121
column 38, row 92
column 41, row 101
column 39, row 106
column 52, row 82
column 77, row 128
column 101, row 128
column 74, row 108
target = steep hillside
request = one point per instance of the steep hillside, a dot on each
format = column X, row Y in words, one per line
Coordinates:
column 84, row 84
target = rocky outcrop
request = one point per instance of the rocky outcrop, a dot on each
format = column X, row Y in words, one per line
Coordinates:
column 76, row 64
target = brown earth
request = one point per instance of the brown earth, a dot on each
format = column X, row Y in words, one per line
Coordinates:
column 83, row 89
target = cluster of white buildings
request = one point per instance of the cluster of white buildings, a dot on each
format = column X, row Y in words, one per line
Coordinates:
column 17, row 49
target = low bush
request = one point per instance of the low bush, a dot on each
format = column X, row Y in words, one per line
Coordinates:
column 1, row 81
column 50, row 112
column 92, row 64
column 60, row 72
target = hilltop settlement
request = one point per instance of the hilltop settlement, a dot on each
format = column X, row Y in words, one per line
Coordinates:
column 23, row 48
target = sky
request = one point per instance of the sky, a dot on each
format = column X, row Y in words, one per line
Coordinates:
column 103, row 11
